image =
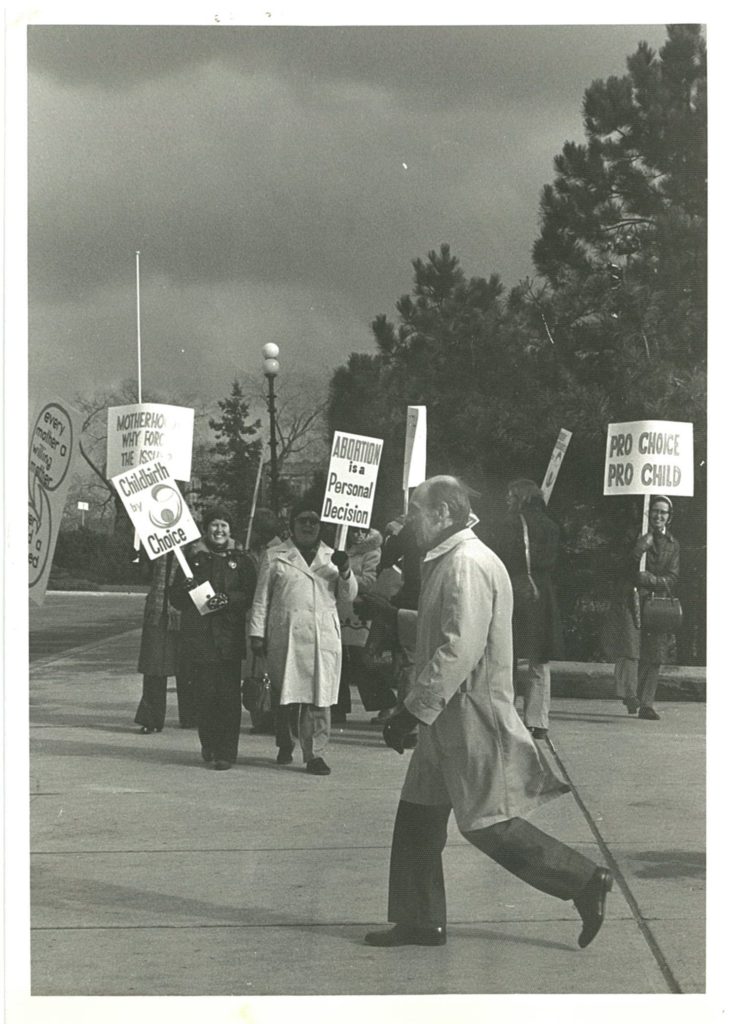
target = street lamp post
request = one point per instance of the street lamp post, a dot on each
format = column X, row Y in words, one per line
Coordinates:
column 270, row 353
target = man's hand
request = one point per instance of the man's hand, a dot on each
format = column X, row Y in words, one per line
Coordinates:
column 341, row 561
column 398, row 727
column 217, row 601
column 189, row 583
column 647, row 579
column 258, row 644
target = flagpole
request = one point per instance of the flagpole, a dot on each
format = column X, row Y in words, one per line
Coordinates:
column 136, row 538
column 138, row 320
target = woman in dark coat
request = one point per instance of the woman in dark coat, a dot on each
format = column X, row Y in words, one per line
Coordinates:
column 159, row 654
column 214, row 643
column 638, row 653
column 536, row 623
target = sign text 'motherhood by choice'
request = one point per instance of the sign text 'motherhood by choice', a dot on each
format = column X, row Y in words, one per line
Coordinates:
column 354, row 466
column 649, row 457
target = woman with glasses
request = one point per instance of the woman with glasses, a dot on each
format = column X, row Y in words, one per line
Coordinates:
column 295, row 623
column 638, row 653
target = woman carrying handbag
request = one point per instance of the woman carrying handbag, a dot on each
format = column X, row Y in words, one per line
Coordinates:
column 631, row 637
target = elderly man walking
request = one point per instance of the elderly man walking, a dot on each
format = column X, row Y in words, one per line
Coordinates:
column 473, row 755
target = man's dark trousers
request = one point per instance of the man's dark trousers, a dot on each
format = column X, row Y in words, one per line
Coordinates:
column 416, row 885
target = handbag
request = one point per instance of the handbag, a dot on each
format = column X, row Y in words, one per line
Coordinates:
column 524, row 588
column 661, row 613
column 256, row 688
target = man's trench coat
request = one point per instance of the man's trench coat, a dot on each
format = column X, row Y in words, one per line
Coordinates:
column 473, row 750
column 294, row 608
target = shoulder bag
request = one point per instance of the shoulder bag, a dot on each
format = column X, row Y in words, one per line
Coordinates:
column 523, row 586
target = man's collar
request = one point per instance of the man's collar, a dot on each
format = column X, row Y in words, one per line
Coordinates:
column 465, row 533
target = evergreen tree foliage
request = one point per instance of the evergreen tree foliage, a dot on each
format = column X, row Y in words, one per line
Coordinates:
column 231, row 476
column 613, row 330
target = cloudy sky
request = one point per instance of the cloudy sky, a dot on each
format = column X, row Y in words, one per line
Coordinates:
column 278, row 181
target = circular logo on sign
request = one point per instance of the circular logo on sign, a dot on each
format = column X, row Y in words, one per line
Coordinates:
column 169, row 508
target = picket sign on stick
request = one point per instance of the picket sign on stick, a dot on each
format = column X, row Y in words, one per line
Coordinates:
column 183, row 563
column 649, row 457
column 556, row 460
column 415, row 449
column 645, row 525
column 158, row 511
column 255, row 493
column 351, row 483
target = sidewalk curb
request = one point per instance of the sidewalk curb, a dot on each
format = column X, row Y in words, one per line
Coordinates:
column 595, row 681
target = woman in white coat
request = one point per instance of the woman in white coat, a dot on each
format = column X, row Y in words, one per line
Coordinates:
column 294, row 621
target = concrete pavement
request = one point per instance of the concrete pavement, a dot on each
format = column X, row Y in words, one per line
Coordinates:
column 154, row 875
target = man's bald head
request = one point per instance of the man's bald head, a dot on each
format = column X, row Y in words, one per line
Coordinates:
column 438, row 505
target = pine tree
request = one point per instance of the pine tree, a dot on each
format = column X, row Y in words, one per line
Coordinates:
column 232, row 474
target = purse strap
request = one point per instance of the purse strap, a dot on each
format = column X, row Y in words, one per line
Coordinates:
column 526, row 537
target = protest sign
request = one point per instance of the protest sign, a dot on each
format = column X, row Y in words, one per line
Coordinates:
column 349, row 493
column 150, row 432
column 556, row 459
column 415, row 445
column 53, row 450
column 649, row 457
column 157, row 509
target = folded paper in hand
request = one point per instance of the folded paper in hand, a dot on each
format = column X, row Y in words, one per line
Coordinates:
column 201, row 595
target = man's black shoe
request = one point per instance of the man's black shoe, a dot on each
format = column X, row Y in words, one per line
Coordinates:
column 591, row 904
column 317, row 767
column 649, row 713
column 223, row 766
column 407, row 935
column 632, row 704
column 284, row 755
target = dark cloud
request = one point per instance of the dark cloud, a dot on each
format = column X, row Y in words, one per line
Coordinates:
column 434, row 65
column 283, row 177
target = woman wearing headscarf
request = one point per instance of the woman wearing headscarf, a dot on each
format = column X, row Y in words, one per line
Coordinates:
column 214, row 642
column 529, row 549
column 294, row 621
column 638, row 652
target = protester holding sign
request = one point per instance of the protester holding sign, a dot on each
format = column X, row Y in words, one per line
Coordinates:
column 159, row 653
column 364, row 552
column 214, row 641
column 294, row 621
column 638, row 652
column 528, row 546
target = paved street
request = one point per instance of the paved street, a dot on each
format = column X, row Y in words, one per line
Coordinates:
column 69, row 619
column 263, row 880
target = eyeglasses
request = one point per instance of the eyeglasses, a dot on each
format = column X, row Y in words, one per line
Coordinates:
column 660, row 512
column 307, row 520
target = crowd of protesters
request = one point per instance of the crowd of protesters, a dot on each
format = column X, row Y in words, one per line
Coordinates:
column 429, row 626
column 284, row 603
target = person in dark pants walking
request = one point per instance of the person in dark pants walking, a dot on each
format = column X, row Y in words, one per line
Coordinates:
column 159, row 656
column 474, row 754
column 528, row 545
column 213, row 643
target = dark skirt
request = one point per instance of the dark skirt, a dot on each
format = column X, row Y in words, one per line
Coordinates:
column 537, row 627
column 159, row 648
